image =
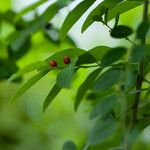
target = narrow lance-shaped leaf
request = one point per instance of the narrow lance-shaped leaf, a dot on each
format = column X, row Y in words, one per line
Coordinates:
column 104, row 106
column 40, row 65
column 64, row 78
column 99, row 11
column 113, row 55
column 52, row 94
column 107, row 79
column 143, row 29
column 102, row 130
column 74, row 16
column 28, row 84
column 123, row 7
column 85, row 86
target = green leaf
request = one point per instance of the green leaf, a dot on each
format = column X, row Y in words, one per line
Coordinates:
column 107, row 79
column 137, row 130
column 52, row 94
column 113, row 55
column 69, row 145
column 7, row 68
column 74, row 16
column 29, row 8
column 99, row 11
column 28, row 84
column 40, row 65
column 121, row 31
column 123, row 7
column 49, row 13
column 85, row 86
column 19, row 44
column 102, row 130
column 93, row 55
column 44, row 18
column 98, row 52
column 142, row 30
column 59, row 56
column 64, row 78
column 104, row 106
column 138, row 53
column 63, row 3
column 130, row 77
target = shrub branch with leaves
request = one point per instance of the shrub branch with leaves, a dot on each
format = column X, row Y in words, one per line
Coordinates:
column 117, row 74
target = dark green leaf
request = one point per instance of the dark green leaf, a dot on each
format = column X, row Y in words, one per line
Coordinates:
column 85, row 86
column 74, row 16
column 107, row 79
column 99, row 11
column 130, row 77
column 52, row 94
column 69, row 145
column 139, row 52
column 63, row 3
column 28, row 84
column 104, row 106
column 137, row 130
column 113, row 55
column 142, row 30
column 98, row 52
column 7, row 68
column 121, row 31
column 102, row 130
column 64, row 78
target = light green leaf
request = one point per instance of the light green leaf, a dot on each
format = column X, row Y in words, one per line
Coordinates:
column 85, row 86
column 102, row 130
column 28, row 84
column 64, row 78
column 122, row 8
column 107, row 79
column 74, row 16
column 39, row 65
column 104, row 106
column 98, row 11
column 69, row 145
column 52, row 94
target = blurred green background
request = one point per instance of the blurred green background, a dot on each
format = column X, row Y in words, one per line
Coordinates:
column 23, row 125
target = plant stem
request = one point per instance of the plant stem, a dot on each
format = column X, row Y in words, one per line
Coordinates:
column 140, row 79
column 140, row 72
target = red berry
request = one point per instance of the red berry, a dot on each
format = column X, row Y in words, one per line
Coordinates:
column 66, row 60
column 53, row 63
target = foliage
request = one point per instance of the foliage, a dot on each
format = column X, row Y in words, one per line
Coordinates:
column 117, row 84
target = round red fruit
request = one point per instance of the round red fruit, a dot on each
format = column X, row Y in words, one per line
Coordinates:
column 66, row 60
column 53, row 63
